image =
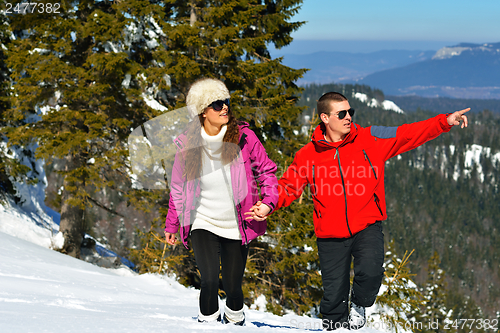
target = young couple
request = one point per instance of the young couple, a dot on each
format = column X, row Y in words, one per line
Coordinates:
column 214, row 198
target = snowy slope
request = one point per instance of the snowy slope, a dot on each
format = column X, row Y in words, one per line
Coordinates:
column 386, row 105
column 42, row 290
column 45, row 291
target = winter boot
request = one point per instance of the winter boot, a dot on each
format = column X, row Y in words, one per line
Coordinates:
column 234, row 317
column 329, row 325
column 357, row 316
column 211, row 318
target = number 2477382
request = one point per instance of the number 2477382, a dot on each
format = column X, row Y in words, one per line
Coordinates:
column 33, row 8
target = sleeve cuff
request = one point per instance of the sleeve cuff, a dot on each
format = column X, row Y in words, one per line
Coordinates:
column 270, row 204
column 171, row 230
column 444, row 122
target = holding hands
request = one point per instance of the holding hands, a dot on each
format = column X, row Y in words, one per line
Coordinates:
column 258, row 212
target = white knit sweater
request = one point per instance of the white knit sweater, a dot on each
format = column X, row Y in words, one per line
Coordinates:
column 215, row 212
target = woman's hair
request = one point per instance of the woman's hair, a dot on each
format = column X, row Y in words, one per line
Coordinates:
column 193, row 154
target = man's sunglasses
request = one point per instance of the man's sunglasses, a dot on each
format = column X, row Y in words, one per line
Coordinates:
column 343, row 113
column 219, row 105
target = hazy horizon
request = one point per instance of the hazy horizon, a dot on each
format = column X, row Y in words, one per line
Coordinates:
column 300, row 46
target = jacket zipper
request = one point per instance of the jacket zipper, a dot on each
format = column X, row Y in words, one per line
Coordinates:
column 375, row 198
column 244, row 222
column 181, row 219
column 314, row 182
column 315, row 191
column 196, row 183
column 241, row 143
column 343, row 187
column 367, row 158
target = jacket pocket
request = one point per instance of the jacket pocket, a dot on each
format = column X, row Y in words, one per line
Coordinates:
column 371, row 165
column 317, row 212
column 375, row 198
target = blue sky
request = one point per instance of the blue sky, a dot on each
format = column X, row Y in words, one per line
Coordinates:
column 404, row 24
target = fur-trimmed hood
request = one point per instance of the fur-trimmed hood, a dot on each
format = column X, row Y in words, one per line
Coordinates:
column 203, row 92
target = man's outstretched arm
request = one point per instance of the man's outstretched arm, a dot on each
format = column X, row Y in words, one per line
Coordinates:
column 409, row 136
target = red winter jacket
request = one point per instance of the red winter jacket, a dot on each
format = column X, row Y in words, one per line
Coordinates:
column 347, row 202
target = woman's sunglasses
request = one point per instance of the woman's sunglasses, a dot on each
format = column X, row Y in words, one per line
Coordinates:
column 343, row 113
column 219, row 105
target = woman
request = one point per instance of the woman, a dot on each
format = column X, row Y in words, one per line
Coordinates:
column 214, row 184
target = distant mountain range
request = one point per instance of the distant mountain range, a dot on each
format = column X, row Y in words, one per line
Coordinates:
column 461, row 71
column 444, row 104
column 329, row 67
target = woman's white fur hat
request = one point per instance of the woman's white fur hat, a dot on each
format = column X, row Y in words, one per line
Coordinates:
column 203, row 92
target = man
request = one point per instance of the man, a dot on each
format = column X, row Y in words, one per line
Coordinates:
column 344, row 167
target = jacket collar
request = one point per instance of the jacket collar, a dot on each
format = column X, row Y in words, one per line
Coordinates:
column 318, row 137
column 181, row 140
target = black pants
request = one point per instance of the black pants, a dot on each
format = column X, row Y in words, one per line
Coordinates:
column 210, row 251
column 367, row 249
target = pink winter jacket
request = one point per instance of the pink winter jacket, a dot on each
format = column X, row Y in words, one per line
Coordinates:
column 251, row 170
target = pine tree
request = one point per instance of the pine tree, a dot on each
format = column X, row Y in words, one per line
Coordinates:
column 229, row 40
column 464, row 308
column 15, row 161
column 399, row 299
column 435, row 297
column 6, row 188
column 80, row 76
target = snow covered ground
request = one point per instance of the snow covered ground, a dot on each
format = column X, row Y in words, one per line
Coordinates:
column 42, row 290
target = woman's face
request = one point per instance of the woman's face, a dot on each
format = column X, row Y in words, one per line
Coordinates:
column 216, row 118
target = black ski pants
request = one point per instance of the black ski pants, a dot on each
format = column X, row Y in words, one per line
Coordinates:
column 210, row 251
column 335, row 255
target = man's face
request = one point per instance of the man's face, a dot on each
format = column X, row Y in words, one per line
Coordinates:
column 337, row 129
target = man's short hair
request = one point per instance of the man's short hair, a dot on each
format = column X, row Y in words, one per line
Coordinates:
column 325, row 101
